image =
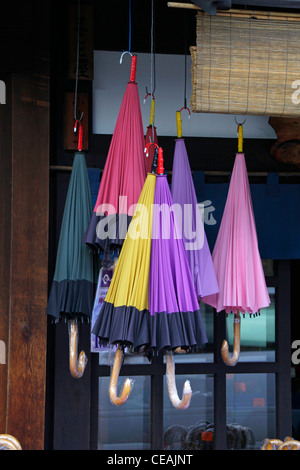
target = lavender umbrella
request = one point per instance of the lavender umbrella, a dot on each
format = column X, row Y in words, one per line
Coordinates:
column 195, row 241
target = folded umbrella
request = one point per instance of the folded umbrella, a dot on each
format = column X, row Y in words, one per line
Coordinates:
column 192, row 227
column 123, row 176
column 238, row 266
column 72, row 291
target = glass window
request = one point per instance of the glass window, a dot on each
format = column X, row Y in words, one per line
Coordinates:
column 190, row 429
column 106, row 357
column 127, row 426
column 250, row 407
column 206, row 353
column 257, row 334
column 269, row 267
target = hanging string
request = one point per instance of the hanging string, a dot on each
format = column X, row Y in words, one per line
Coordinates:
column 209, row 63
column 129, row 33
column 185, row 56
column 77, row 63
column 202, row 58
column 229, row 78
column 250, row 46
column 286, row 63
column 152, row 67
column 268, row 69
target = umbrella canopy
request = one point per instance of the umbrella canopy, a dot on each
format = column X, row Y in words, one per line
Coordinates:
column 123, row 176
column 72, row 291
column 151, row 300
column 242, row 286
column 195, row 241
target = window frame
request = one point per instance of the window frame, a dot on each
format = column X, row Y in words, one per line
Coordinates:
column 156, row 369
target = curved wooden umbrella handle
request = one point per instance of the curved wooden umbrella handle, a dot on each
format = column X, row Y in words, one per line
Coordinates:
column 9, row 442
column 232, row 361
column 77, row 365
column 114, row 381
column 290, row 444
column 187, row 391
column 271, row 444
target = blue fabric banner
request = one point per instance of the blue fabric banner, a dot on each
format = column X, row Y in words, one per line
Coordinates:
column 276, row 209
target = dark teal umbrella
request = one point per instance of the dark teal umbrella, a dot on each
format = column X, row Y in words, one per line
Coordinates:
column 72, row 291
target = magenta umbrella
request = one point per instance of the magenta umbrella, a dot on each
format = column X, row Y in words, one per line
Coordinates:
column 236, row 256
column 123, row 176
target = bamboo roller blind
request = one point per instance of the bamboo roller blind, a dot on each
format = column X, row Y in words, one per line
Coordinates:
column 245, row 66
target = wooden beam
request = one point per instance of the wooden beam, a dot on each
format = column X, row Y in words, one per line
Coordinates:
column 240, row 13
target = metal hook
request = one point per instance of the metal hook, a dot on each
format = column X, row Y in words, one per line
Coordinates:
column 232, row 361
column 240, row 123
column 184, row 107
column 125, row 52
column 147, row 146
column 76, row 118
column 187, row 391
column 148, row 94
column 114, row 380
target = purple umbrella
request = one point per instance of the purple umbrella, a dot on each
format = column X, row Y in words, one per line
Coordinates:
column 195, row 241
column 151, row 301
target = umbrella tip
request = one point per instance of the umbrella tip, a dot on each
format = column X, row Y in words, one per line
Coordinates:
column 160, row 162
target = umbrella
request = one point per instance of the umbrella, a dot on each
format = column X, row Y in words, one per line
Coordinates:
column 195, row 241
column 151, row 301
column 151, row 141
column 242, row 286
column 72, row 291
column 124, row 173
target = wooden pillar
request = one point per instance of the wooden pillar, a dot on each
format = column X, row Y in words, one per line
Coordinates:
column 5, row 229
column 24, row 188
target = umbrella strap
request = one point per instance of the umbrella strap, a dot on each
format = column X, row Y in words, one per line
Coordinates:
column 78, row 126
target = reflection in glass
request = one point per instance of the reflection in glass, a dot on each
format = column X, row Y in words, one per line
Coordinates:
column 127, row 426
column 106, row 357
column 257, row 334
column 269, row 267
column 190, row 429
column 206, row 352
column 251, row 412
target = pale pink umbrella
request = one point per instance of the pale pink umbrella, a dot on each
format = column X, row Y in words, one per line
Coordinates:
column 238, row 266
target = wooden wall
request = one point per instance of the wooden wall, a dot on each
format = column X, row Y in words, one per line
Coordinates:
column 24, row 190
